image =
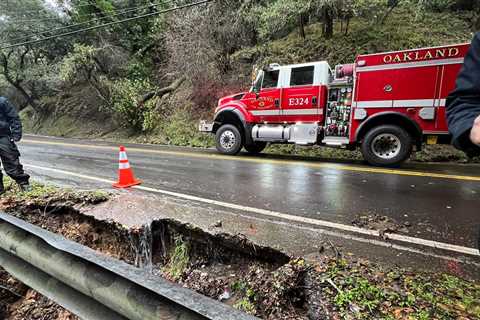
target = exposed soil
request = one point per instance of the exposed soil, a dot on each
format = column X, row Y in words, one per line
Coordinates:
column 18, row 302
column 261, row 281
column 36, row 306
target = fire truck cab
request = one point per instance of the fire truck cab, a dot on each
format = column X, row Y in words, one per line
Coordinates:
column 387, row 104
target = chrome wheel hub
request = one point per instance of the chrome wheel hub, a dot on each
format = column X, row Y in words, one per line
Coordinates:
column 227, row 140
column 386, row 146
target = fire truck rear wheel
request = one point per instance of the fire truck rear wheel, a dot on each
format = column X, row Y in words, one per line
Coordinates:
column 255, row 147
column 387, row 146
column 228, row 139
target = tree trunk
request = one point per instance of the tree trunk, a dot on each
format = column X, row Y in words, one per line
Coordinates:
column 477, row 21
column 328, row 23
column 301, row 25
column 393, row 5
column 30, row 100
column 17, row 85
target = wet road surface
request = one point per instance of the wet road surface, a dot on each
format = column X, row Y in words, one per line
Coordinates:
column 434, row 201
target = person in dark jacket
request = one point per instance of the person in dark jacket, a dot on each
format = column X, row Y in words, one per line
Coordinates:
column 11, row 132
column 463, row 104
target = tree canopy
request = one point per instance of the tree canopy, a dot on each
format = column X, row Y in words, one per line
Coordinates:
column 139, row 58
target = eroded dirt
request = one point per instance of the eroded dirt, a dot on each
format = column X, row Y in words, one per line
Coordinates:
column 258, row 280
column 18, row 302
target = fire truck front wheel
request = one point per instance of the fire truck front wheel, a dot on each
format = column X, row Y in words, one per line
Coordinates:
column 387, row 146
column 228, row 139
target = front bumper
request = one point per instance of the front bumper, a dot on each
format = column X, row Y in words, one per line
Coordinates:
column 205, row 126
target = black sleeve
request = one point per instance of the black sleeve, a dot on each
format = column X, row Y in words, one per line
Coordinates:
column 13, row 119
column 463, row 104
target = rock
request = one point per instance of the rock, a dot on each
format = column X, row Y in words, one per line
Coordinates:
column 225, row 295
column 354, row 308
column 217, row 224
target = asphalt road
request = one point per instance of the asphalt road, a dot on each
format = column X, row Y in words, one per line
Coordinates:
column 435, row 201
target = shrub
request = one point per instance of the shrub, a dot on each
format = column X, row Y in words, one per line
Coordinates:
column 207, row 91
column 125, row 98
column 181, row 130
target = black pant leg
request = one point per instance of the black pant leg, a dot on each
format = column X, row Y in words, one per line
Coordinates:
column 9, row 155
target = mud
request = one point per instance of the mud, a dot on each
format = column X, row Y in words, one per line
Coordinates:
column 211, row 264
column 212, row 248
column 18, row 302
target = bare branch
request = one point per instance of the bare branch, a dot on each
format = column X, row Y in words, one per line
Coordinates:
column 163, row 91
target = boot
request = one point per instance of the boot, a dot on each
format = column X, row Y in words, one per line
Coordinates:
column 25, row 187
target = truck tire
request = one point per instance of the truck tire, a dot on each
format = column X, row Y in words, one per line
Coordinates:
column 387, row 146
column 255, row 147
column 228, row 139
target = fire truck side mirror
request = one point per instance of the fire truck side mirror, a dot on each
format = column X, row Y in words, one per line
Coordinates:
column 257, row 84
column 256, row 91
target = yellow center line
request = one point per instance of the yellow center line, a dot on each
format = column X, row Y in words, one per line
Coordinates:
column 268, row 161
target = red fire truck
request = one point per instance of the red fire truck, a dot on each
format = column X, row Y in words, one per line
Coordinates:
column 388, row 104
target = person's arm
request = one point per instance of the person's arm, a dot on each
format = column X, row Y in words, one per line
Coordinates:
column 13, row 119
column 463, row 104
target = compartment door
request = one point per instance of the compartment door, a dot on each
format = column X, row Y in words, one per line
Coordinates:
column 374, row 89
column 415, row 92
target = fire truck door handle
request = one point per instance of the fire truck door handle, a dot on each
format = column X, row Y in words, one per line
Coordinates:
column 314, row 101
column 388, row 88
column 277, row 103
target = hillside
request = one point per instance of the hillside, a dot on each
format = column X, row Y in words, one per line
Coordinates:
column 76, row 112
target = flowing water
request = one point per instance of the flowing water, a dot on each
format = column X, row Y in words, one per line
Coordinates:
column 141, row 243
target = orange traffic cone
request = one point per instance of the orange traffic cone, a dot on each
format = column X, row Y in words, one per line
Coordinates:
column 125, row 173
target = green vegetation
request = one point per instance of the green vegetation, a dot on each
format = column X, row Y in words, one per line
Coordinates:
column 365, row 291
column 179, row 259
column 345, row 288
column 46, row 195
column 429, row 153
column 403, row 30
column 182, row 130
column 246, row 302
column 245, row 305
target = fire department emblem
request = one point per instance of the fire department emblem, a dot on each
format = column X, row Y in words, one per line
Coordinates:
column 265, row 102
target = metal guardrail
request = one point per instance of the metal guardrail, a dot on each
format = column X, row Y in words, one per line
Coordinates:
column 94, row 286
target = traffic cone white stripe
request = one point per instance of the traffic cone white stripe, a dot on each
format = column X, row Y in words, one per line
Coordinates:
column 122, row 166
column 123, row 155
